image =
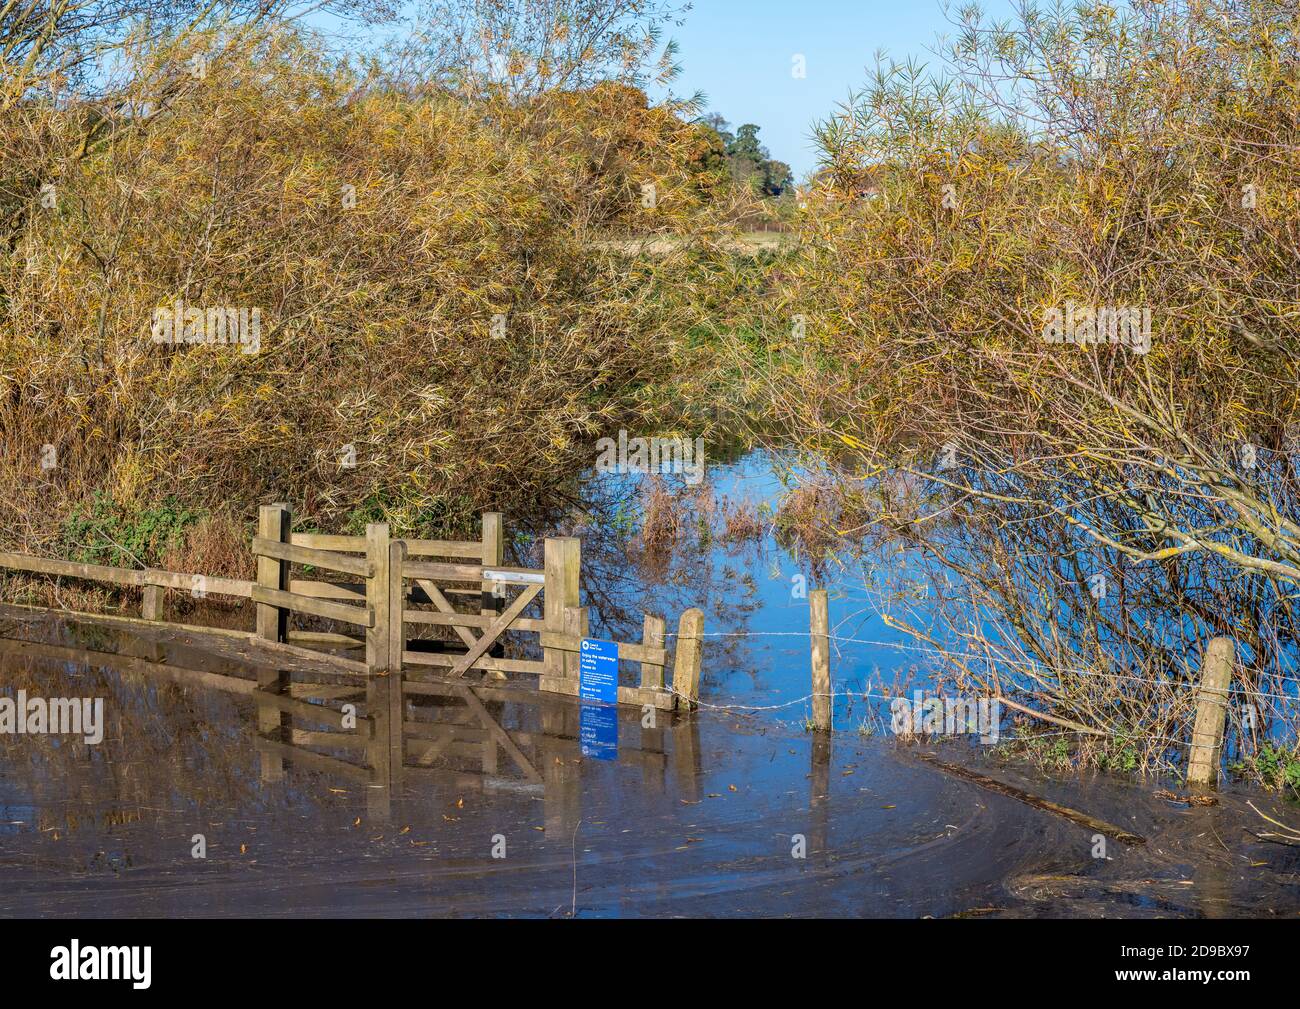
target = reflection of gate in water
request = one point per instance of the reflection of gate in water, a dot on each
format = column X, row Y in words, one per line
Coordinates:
column 454, row 738
column 490, row 738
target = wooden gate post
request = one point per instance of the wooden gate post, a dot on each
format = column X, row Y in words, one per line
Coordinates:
column 819, row 631
column 577, row 622
column 396, row 605
column 273, row 523
column 396, row 646
column 151, row 607
column 380, row 686
column 686, row 661
column 1211, row 713
column 652, row 636
column 562, row 565
column 379, row 598
column 490, row 605
column 493, row 557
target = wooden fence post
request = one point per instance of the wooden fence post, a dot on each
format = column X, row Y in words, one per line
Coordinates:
column 493, row 557
column 379, row 598
column 686, row 662
column 396, row 646
column 562, row 564
column 273, row 523
column 397, row 604
column 819, row 631
column 152, row 606
column 1211, row 713
column 652, row 636
column 577, row 622
column 491, row 605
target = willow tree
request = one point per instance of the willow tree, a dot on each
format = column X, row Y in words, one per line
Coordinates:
column 1067, row 316
column 437, row 333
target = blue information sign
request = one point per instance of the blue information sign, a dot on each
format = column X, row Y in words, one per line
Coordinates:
column 598, row 671
column 598, row 732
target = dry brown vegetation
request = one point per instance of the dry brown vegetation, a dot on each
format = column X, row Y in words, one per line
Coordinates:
column 1145, row 156
column 381, row 388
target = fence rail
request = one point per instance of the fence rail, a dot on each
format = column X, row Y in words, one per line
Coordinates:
column 330, row 560
column 132, row 577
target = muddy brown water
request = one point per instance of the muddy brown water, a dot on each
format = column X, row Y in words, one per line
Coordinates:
column 702, row 815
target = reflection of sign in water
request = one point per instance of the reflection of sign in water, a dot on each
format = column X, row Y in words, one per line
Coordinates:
column 598, row 732
column 598, row 671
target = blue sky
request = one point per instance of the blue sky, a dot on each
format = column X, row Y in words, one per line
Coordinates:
column 740, row 52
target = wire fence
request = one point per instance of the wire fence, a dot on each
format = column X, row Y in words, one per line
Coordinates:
column 1024, row 665
column 1039, row 668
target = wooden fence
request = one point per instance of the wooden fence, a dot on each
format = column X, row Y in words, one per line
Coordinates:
column 390, row 590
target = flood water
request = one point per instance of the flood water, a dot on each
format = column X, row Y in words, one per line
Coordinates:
column 515, row 804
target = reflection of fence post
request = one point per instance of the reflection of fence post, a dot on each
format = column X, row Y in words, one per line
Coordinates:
column 687, row 760
column 819, row 794
column 1211, row 712
column 562, row 563
column 819, row 630
column 686, row 662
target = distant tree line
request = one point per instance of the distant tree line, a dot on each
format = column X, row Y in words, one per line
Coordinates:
column 741, row 156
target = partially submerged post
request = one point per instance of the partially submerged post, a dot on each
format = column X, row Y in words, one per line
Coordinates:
column 686, row 663
column 562, row 564
column 384, row 643
column 491, row 599
column 378, row 589
column 653, row 630
column 819, row 630
column 396, row 603
column 493, row 556
column 1211, row 713
column 396, row 647
column 273, row 523
column 152, row 605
